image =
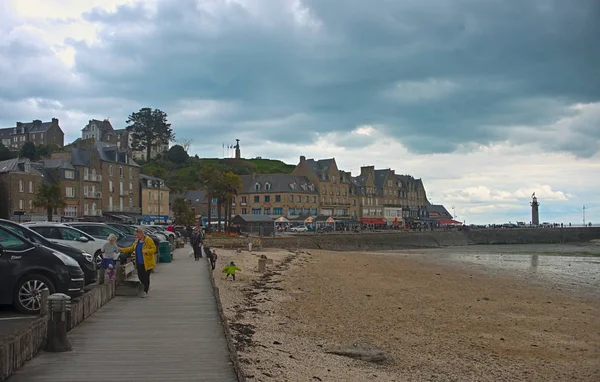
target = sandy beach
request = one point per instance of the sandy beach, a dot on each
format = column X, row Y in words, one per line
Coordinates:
column 410, row 318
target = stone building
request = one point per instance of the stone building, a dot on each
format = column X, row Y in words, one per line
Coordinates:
column 108, row 178
column 277, row 195
column 198, row 203
column 154, row 199
column 19, row 182
column 37, row 132
column 333, row 187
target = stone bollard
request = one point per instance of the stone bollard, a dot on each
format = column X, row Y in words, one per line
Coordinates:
column 262, row 265
column 44, row 302
column 59, row 305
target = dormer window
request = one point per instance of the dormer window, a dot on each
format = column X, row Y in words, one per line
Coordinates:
column 267, row 186
column 304, row 187
column 293, row 186
column 311, row 187
column 256, row 186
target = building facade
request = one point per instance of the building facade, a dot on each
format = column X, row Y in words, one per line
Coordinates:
column 154, row 198
column 19, row 182
column 333, row 187
column 37, row 132
column 277, row 195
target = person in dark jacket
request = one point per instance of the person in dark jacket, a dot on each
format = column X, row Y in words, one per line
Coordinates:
column 196, row 242
column 212, row 257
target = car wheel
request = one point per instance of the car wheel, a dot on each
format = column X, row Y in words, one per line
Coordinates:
column 28, row 293
column 98, row 258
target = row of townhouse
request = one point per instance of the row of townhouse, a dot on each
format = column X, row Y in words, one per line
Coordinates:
column 97, row 179
column 38, row 132
column 320, row 188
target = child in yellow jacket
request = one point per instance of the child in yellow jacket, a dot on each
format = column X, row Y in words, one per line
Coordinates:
column 230, row 270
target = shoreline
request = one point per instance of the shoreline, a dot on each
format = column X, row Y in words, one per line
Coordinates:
column 425, row 319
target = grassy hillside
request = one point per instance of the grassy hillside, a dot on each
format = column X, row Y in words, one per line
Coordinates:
column 184, row 176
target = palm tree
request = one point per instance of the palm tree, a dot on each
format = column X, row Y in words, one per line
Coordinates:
column 49, row 196
column 208, row 177
column 233, row 184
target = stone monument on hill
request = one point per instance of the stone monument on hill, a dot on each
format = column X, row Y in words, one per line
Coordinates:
column 237, row 149
column 535, row 213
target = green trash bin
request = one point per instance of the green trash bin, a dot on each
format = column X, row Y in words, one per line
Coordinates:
column 164, row 252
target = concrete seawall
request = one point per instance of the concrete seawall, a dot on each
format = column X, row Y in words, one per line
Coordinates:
column 430, row 239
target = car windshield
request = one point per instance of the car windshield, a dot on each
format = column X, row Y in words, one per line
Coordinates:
column 11, row 241
column 26, row 233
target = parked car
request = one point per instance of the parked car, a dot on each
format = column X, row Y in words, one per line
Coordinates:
column 26, row 269
column 300, row 228
column 83, row 258
column 101, row 231
column 171, row 236
column 66, row 235
column 130, row 230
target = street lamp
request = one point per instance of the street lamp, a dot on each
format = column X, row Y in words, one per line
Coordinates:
column 584, row 215
column 158, row 184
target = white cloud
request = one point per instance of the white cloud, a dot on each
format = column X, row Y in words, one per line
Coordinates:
column 419, row 91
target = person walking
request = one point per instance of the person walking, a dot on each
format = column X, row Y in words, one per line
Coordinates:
column 196, row 242
column 144, row 249
column 212, row 256
column 249, row 243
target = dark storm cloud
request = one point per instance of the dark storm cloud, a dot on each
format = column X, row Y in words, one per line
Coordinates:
column 435, row 74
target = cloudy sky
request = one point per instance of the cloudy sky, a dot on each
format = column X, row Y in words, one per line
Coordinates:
column 487, row 101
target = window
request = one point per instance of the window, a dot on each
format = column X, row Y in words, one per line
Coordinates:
column 306, row 199
column 12, row 242
column 70, row 192
column 121, row 171
column 214, row 200
column 256, row 211
column 130, row 186
column 21, row 204
column 110, row 170
column 69, row 174
column 278, row 211
column 70, row 211
column 256, row 186
column 21, row 186
column 30, row 205
column 267, row 211
column 256, row 199
column 313, row 212
column 314, row 199
column 267, row 198
column 130, row 173
column 31, row 187
column 299, row 199
column 86, row 173
column 243, row 200
column 244, row 211
column 292, row 211
column 277, row 198
column 267, row 186
column 291, row 198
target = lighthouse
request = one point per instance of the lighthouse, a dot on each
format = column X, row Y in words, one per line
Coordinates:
column 535, row 212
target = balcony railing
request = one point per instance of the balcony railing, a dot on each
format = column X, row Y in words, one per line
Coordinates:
column 93, row 178
column 93, row 195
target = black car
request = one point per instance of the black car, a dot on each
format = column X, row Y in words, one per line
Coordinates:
column 26, row 269
column 85, row 260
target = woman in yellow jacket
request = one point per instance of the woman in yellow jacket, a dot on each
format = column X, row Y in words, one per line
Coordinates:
column 144, row 250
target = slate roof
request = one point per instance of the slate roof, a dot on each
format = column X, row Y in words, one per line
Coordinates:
column 58, row 163
column 320, row 167
column 106, row 152
column 11, row 165
column 194, row 196
column 6, row 132
column 145, row 178
column 438, row 211
column 46, row 175
column 249, row 218
column 36, row 126
column 380, row 177
column 280, row 183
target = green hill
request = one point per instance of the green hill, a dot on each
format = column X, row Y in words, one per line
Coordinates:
column 179, row 177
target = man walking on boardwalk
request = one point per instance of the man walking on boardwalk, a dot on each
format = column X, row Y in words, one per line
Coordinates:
column 196, row 242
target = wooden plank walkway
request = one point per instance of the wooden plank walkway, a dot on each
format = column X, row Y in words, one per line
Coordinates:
column 173, row 335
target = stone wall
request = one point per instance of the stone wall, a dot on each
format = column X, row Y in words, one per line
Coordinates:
column 26, row 342
column 406, row 240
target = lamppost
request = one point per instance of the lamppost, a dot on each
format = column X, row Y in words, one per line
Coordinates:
column 584, row 215
column 158, row 184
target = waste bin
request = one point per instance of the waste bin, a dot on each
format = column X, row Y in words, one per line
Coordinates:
column 165, row 252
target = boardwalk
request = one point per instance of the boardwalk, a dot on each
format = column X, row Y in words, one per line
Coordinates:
column 173, row 335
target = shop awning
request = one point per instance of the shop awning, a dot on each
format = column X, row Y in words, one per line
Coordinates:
column 449, row 222
column 375, row 221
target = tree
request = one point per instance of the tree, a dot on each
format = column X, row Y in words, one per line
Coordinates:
column 149, row 128
column 177, row 154
column 5, row 153
column 208, row 177
column 29, row 151
column 183, row 213
column 49, row 196
column 186, row 143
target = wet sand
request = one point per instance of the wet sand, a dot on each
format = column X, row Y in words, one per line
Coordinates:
column 432, row 320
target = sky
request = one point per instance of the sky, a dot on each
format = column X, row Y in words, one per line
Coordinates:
column 486, row 101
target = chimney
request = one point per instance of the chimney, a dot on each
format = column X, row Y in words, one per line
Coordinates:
column 55, row 121
column 19, row 124
column 37, row 122
column 302, row 158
